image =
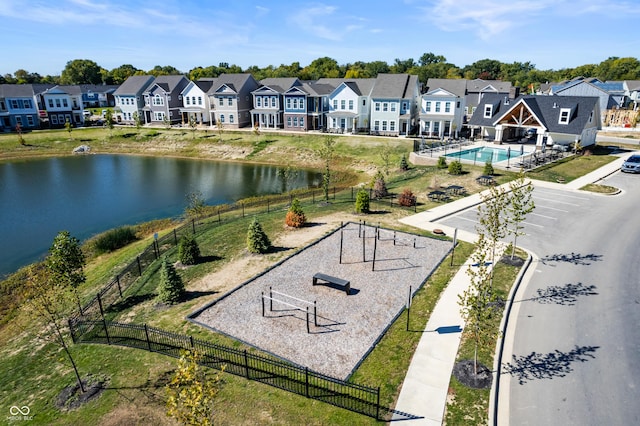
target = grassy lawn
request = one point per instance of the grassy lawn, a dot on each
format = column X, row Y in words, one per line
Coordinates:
column 35, row 371
column 573, row 167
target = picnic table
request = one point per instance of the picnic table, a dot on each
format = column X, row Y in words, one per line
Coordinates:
column 437, row 195
column 455, row 190
column 486, row 180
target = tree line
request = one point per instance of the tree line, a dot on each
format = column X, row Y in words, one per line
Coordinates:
column 429, row 65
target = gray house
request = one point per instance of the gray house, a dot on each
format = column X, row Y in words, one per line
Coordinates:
column 18, row 107
column 129, row 98
column 394, row 99
column 231, row 99
column 163, row 99
column 268, row 109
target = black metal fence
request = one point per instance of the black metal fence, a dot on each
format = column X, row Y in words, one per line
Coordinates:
column 292, row 378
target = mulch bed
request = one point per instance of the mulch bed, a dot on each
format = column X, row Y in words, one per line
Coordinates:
column 464, row 372
column 349, row 326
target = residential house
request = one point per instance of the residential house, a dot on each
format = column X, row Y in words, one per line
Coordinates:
column 610, row 94
column 268, row 110
column 477, row 88
column 96, row 96
column 18, row 107
column 63, row 103
column 195, row 102
column 163, row 99
column 306, row 106
column 558, row 120
column 632, row 91
column 231, row 100
column 394, row 100
column 350, row 105
column 443, row 108
column 129, row 98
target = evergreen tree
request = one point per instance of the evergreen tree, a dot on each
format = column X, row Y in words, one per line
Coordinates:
column 257, row 239
column 295, row 215
column 362, row 201
column 171, row 287
column 188, row 250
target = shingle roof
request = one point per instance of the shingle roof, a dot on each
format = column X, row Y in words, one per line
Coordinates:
column 134, row 84
column 477, row 85
column 16, row 91
column 235, row 81
column 169, row 82
column 393, row 86
column 280, row 85
column 456, row 86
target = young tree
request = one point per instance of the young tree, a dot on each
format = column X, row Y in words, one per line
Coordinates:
column 166, row 122
column 108, row 120
column 137, row 120
column 220, row 126
column 66, row 263
column 19, row 132
column 193, row 125
column 190, row 393
column 491, row 222
column 478, row 303
column 326, row 153
column 195, row 205
column 295, row 216
column 257, row 239
column 379, row 186
column 520, row 204
column 404, row 165
column 362, row 201
column 171, row 288
column 188, row 250
column 488, row 169
column 68, row 127
column 407, row 198
column 385, row 156
column 47, row 300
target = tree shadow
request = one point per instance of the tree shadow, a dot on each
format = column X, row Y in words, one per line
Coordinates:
column 206, row 259
column 575, row 258
column 190, row 295
column 563, row 294
column 129, row 302
column 547, row 366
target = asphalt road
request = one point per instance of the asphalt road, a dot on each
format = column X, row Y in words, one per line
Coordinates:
column 574, row 355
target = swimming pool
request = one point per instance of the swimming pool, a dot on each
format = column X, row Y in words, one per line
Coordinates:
column 484, row 154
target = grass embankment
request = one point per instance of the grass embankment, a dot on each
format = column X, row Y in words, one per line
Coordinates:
column 34, row 372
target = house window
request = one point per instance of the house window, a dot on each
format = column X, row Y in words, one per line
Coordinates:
column 392, row 126
column 393, row 106
column 428, row 106
column 301, row 121
column 302, row 103
column 222, row 118
column 377, row 106
column 590, row 116
column 159, row 115
column 188, row 102
column 14, row 103
column 488, row 111
column 50, row 103
column 437, row 106
column 384, row 125
column 30, row 120
column 19, row 120
column 295, row 121
column 288, row 103
column 58, row 103
column 376, row 125
column 230, row 101
column 273, row 102
column 405, row 106
column 199, row 100
column 158, row 100
column 385, row 107
column 458, row 104
column 447, row 107
column 295, row 103
column 221, row 101
column 351, row 104
column 230, row 118
column 288, row 121
column 54, row 119
column 258, row 101
column 564, row 116
column 335, row 104
column 343, row 104
column 343, row 123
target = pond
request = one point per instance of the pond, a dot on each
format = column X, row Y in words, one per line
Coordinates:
column 86, row 195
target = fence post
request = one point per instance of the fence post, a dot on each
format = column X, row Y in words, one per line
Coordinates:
column 242, row 209
column 334, row 192
column 104, row 322
column 313, row 196
column 262, row 303
column 155, row 248
column 267, row 205
column 270, row 300
column 341, row 237
column 139, row 267
column 146, row 333
column 73, row 337
column 308, row 330
column 246, row 364
column 175, row 237
column 315, row 313
column 219, row 215
column 118, row 282
column 290, row 198
column 306, row 382
column 193, row 225
column 191, row 341
column 378, row 405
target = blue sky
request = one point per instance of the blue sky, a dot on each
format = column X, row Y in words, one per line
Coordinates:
column 42, row 36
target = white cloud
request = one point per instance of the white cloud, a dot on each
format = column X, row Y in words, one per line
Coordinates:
column 324, row 22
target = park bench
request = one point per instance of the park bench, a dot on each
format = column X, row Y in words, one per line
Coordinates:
column 335, row 282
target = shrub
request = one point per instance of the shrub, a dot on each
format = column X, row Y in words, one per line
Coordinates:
column 257, row 240
column 407, row 198
column 295, row 216
column 404, row 166
column 188, row 250
column 114, row 239
column 362, row 201
column 442, row 163
column 379, row 186
column 488, row 168
column 171, row 287
column 455, row 168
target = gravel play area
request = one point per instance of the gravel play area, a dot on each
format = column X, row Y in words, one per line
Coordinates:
column 348, row 326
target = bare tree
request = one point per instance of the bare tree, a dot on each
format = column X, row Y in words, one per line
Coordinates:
column 520, row 204
column 326, row 153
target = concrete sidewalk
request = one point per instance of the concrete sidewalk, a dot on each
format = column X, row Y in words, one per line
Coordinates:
column 425, row 388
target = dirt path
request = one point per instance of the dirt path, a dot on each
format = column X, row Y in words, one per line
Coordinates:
column 248, row 265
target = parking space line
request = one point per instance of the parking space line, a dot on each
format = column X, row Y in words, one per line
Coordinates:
column 564, row 195
column 552, row 208
column 556, row 201
column 533, row 224
column 541, row 215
